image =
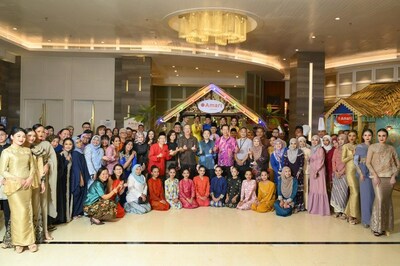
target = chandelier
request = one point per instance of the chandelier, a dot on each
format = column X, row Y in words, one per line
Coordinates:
column 212, row 26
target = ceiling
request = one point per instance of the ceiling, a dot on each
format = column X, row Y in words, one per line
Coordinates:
column 368, row 31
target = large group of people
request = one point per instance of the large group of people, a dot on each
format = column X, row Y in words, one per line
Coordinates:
column 49, row 179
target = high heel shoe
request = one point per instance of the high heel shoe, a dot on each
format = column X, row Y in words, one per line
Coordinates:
column 95, row 221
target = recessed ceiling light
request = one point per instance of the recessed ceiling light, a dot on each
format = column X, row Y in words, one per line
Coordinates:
column 173, row 66
column 313, row 37
column 197, row 68
column 179, row 85
column 218, row 70
column 15, row 28
column 177, row 75
column 234, row 86
column 337, row 18
column 297, row 50
column 284, row 59
column 237, row 77
column 175, row 70
column 102, row 41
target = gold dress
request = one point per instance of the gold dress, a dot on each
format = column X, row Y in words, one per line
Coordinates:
column 383, row 162
column 353, row 208
column 16, row 164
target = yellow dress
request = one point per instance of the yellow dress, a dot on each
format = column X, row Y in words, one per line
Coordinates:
column 16, row 164
column 353, row 208
column 266, row 197
column 196, row 131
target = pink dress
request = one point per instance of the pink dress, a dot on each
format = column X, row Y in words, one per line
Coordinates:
column 318, row 202
column 248, row 194
column 187, row 191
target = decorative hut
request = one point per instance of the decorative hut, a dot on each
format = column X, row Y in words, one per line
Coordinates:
column 376, row 106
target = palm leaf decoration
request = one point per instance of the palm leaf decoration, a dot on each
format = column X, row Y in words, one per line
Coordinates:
column 145, row 114
column 272, row 117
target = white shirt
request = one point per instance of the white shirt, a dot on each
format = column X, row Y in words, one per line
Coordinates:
column 135, row 189
column 244, row 146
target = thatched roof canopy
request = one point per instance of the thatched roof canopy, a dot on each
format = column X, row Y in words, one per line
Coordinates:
column 375, row 100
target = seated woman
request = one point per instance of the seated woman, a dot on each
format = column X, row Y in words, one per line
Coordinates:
column 187, row 191
column 156, row 191
column 116, row 179
column 234, row 187
column 98, row 204
column 172, row 189
column 248, row 192
column 287, row 189
column 202, row 187
column 266, row 194
column 218, row 188
column 136, row 197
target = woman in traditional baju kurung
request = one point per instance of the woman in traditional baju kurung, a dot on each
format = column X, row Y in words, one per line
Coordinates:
column 233, row 190
column 111, row 157
column 329, row 149
column 172, row 190
column 202, row 187
column 294, row 159
column 383, row 164
column 48, row 199
column 258, row 156
column 339, row 184
column 286, row 190
column 187, row 191
column 79, row 179
column 353, row 210
column 266, row 195
column 196, row 128
column 93, row 156
column 156, row 191
column 18, row 170
column 248, row 192
column 98, row 204
column 118, row 178
column 306, row 168
column 218, row 188
column 367, row 193
column 158, row 155
column 127, row 157
column 318, row 202
column 136, row 197
column 277, row 158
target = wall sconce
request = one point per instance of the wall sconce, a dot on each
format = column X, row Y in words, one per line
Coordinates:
column 127, row 85
column 140, row 83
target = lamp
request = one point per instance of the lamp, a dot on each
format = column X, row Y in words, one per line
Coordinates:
column 221, row 27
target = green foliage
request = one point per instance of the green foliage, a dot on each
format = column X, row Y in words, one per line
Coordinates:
column 145, row 114
column 272, row 117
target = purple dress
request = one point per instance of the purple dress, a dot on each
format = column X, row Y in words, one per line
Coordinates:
column 318, row 202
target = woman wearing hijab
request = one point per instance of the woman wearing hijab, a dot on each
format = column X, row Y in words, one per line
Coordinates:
column 329, row 149
column 80, row 176
column 258, row 155
column 294, row 159
column 339, row 184
column 136, row 197
column 318, row 202
column 142, row 150
column 287, row 190
column 93, row 156
column 277, row 158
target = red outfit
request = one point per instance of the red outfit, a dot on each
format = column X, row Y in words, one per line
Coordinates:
column 120, row 209
column 155, row 150
column 202, row 187
column 187, row 191
column 156, row 195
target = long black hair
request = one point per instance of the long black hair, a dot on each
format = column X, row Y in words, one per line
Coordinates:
column 114, row 177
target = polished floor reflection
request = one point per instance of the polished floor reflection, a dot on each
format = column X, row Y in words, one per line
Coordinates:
column 216, row 236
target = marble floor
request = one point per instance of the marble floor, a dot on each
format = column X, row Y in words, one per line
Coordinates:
column 211, row 236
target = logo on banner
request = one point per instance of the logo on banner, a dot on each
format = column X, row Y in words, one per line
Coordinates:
column 345, row 119
column 211, row 106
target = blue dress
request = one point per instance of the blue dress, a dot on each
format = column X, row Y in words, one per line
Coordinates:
column 218, row 187
column 367, row 194
column 278, row 209
column 277, row 165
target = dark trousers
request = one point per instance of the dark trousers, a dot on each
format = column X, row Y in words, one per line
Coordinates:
column 6, row 209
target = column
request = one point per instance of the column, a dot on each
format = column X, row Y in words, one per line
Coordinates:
column 307, row 70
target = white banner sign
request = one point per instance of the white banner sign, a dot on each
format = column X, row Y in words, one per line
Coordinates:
column 210, row 106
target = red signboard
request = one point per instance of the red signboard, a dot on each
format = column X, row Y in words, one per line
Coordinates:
column 345, row 119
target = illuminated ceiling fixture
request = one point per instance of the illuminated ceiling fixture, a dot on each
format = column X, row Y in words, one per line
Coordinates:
column 221, row 27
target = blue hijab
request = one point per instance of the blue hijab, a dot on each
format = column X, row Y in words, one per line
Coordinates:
column 139, row 178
